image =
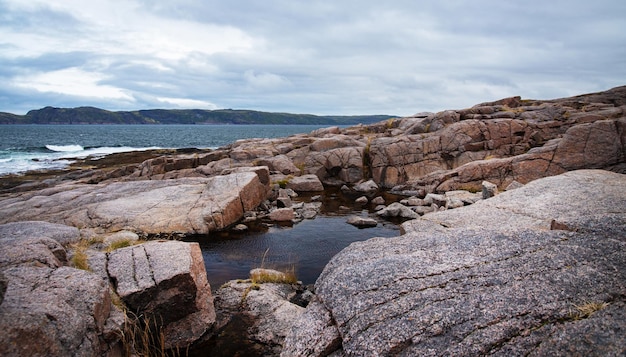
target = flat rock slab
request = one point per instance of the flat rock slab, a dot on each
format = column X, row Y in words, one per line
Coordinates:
column 187, row 206
column 456, row 286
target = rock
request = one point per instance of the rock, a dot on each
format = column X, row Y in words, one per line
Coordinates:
column 287, row 193
column 4, row 282
column 333, row 130
column 280, row 163
column 361, row 200
column 61, row 233
column 362, row 222
column 337, row 166
column 378, row 200
column 54, row 312
column 266, row 311
column 167, row 283
column 513, row 185
column 397, row 210
column 121, row 236
column 282, row 215
column 489, row 189
column 305, row 183
column 35, row 251
column 240, row 228
column 368, row 187
column 439, row 200
column 492, row 273
column 314, row 334
column 190, row 205
column 461, row 198
column 283, row 202
column 414, row 201
column 422, row 210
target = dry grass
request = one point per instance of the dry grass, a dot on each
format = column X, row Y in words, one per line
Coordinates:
column 123, row 243
column 79, row 258
column 143, row 337
column 587, row 309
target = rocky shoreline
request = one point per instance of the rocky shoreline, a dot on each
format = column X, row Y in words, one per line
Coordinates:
column 465, row 278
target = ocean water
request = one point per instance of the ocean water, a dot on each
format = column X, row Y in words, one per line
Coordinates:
column 45, row 147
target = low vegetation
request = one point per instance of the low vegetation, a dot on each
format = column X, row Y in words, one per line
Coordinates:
column 79, row 258
column 587, row 309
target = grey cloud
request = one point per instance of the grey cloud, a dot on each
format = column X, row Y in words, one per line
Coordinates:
column 354, row 57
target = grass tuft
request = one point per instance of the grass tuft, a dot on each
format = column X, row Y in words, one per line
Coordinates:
column 79, row 258
column 587, row 309
column 144, row 337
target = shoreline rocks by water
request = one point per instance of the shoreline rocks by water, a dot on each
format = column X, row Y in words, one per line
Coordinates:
column 539, row 270
column 440, row 164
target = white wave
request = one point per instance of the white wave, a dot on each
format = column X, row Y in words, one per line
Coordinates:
column 104, row 150
column 22, row 162
column 65, row 148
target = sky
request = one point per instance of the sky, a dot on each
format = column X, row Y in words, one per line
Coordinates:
column 342, row 57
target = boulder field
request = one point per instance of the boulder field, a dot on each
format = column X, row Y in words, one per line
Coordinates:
column 538, row 269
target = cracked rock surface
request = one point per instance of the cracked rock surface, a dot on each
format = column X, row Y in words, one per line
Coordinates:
column 540, row 270
column 187, row 205
column 165, row 280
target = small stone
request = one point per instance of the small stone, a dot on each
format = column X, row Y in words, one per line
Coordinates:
column 362, row 222
column 120, row 237
column 309, row 213
column 361, row 200
column 316, row 198
column 439, row 200
column 367, row 187
column 282, row 215
column 513, row 185
column 283, row 202
column 240, row 228
column 489, row 189
column 378, row 200
column 397, row 209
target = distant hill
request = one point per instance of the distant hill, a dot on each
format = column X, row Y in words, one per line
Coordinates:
column 91, row 115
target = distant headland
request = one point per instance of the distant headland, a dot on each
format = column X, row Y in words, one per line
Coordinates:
column 92, row 115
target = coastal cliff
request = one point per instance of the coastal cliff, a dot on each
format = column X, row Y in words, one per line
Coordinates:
column 538, row 269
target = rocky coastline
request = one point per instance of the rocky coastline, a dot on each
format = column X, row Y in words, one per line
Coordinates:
column 514, row 218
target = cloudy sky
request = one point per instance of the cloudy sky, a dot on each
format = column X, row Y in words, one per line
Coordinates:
column 321, row 57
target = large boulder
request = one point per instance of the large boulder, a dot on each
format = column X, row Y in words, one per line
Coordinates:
column 187, row 206
column 54, row 312
column 48, row 308
column 539, row 270
column 165, row 281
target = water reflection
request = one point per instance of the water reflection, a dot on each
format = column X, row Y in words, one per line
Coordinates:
column 305, row 247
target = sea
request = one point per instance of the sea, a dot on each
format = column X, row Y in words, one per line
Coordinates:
column 47, row 147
